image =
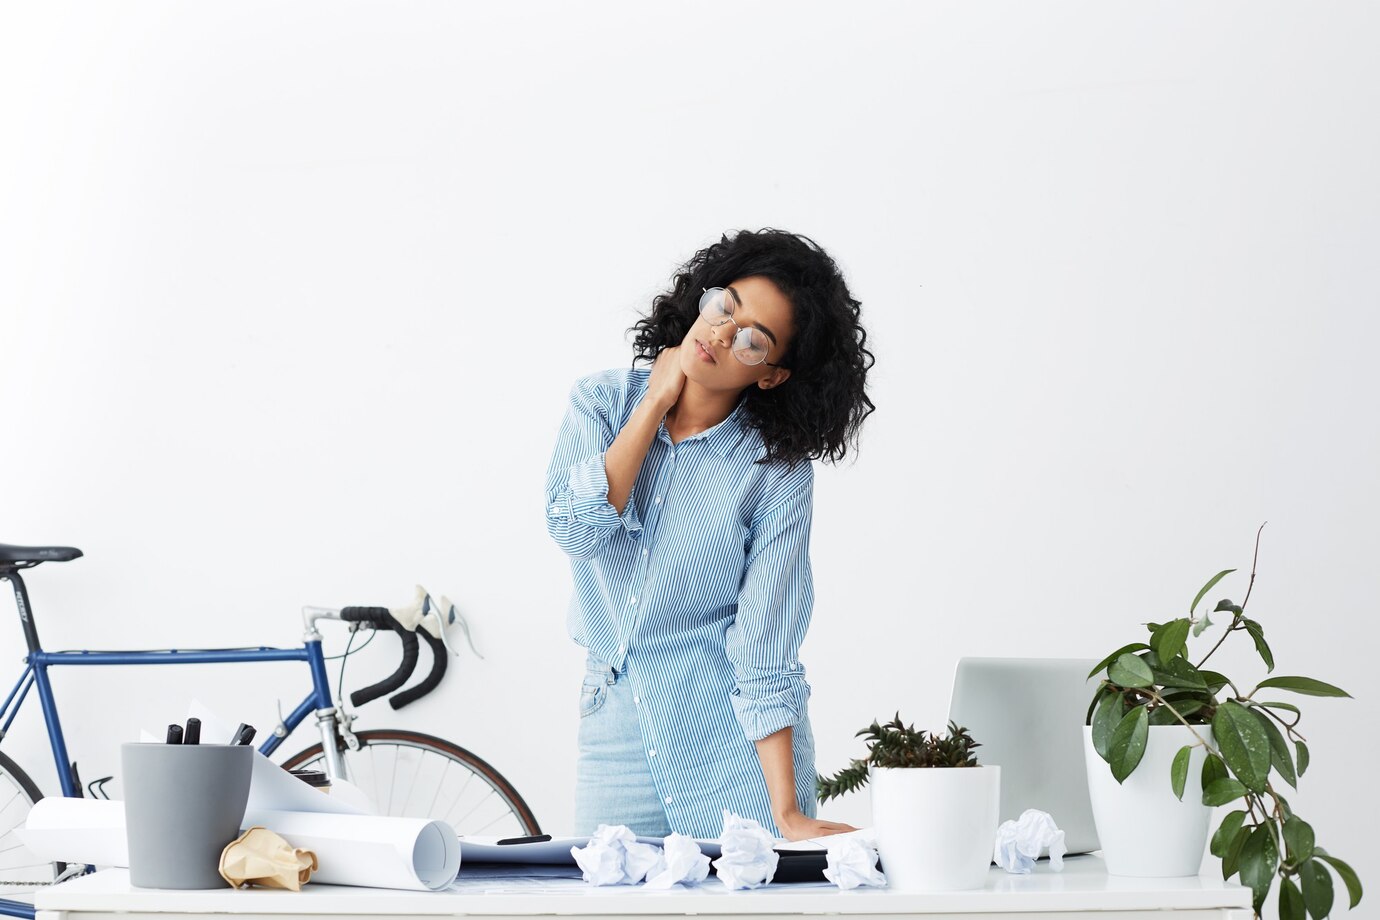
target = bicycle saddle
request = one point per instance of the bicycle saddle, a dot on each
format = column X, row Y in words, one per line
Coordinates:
column 37, row 554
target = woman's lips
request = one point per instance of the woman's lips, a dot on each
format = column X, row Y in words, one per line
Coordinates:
column 704, row 353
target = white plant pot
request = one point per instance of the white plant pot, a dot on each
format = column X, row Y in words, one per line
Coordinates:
column 936, row 826
column 1145, row 831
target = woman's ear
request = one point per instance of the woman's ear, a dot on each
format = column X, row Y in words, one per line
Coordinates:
column 775, row 378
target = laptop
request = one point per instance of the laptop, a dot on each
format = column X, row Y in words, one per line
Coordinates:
column 1027, row 713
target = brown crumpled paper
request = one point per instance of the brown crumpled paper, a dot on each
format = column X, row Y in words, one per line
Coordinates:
column 261, row 857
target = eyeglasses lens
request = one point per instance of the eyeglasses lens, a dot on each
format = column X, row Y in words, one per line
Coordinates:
column 749, row 344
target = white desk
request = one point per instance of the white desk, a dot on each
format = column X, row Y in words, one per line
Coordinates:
column 1082, row 891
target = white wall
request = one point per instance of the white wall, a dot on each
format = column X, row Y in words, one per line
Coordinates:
column 262, row 266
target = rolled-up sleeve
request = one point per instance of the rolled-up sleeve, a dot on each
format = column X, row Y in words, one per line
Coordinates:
column 774, row 605
column 579, row 516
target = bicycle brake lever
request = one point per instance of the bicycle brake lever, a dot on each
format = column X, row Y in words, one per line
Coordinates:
column 446, row 615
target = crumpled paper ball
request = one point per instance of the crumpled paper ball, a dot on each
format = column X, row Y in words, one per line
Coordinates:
column 1019, row 842
column 851, row 862
column 614, row 857
column 681, row 863
column 749, row 858
column 261, row 857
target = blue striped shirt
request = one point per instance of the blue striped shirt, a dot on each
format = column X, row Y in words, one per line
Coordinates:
column 700, row 591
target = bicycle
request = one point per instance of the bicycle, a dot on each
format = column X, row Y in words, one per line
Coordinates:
column 434, row 765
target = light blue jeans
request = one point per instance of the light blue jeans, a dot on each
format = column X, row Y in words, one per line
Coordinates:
column 613, row 783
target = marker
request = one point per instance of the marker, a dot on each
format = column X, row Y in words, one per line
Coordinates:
column 540, row 838
column 244, row 735
column 174, row 734
column 192, row 735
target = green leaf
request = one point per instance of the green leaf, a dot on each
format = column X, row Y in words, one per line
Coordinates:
column 1178, row 672
column 1226, row 833
column 1243, row 744
column 1305, row 685
column 1213, row 770
column 1171, row 639
column 1259, row 858
column 1348, row 874
column 1290, row 901
column 1105, row 718
column 1130, row 671
column 1128, row 742
column 1223, row 791
column 1208, row 587
column 1317, row 888
column 1215, row 681
column 1302, row 750
column 1226, row 605
column 1298, row 840
column 1287, row 707
column 1165, row 715
column 1178, row 770
column 1133, row 647
column 1231, row 863
column 1258, row 634
column 1279, row 748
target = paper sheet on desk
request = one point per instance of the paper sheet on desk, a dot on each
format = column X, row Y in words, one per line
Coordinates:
column 367, row 850
column 553, row 852
column 89, row 831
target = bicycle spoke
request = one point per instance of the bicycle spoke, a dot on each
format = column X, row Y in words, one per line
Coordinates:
column 430, row 809
column 477, row 804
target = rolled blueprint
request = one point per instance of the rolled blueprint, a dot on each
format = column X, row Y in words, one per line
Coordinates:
column 365, row 850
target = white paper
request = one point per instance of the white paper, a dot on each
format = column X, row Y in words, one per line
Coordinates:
column 681, row 863
column 852, row 863
column 369, row 850
column 749, row 857
column 90, row 831
column 362, row 850
column 1020, row 842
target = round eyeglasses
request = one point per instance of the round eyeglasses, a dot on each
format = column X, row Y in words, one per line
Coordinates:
column 750, row 344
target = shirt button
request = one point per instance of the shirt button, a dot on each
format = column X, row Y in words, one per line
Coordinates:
column 632, row 600
column 644, row 550
column 651, row 753
column 635, row 700
column 657, row 500
column 621, row 649
column 668, row 800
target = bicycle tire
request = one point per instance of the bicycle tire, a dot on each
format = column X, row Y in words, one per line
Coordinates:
column 29, row 789
column 380, row 737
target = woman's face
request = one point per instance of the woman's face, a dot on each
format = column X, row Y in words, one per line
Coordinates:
column 706, row 353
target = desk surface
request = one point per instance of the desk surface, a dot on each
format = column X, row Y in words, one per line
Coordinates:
column 1083, row 886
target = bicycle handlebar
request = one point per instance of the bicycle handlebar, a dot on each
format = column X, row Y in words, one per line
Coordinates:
column 430, row 682
column 381, row 618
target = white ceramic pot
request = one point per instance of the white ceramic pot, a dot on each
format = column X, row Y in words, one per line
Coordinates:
column 936, row 826
column 1145, row 831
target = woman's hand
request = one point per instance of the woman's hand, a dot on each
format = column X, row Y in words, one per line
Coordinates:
column 796, row 826
column 667, row 379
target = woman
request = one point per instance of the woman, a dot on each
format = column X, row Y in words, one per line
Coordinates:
column 682, row 494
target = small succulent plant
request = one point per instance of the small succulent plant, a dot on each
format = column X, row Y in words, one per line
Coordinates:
column 898, row 745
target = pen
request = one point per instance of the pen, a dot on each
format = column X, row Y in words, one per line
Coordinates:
column 244, row 735
column 174, row 734
column 192, row 734
column 539, row 838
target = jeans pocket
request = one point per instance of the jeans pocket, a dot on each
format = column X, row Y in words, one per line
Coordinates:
column 592, row 694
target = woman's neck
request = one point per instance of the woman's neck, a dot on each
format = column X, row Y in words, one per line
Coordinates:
column 699, row 409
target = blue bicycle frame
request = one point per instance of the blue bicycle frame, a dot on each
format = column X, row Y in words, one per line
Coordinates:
column 38, row 663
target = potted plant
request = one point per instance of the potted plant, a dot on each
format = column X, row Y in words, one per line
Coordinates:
column 934, row 808
column 1218, row 748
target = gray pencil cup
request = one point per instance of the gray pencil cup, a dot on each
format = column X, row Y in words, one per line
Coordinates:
column 183, row 804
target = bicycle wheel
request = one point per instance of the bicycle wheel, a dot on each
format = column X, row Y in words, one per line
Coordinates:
column 18, row 794
column 410, row 774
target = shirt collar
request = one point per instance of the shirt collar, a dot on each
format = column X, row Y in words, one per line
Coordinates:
column 723, row 437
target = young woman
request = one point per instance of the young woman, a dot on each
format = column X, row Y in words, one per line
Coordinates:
column 682, row 495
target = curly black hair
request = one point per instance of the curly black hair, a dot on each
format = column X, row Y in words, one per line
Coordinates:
column 820, row 408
